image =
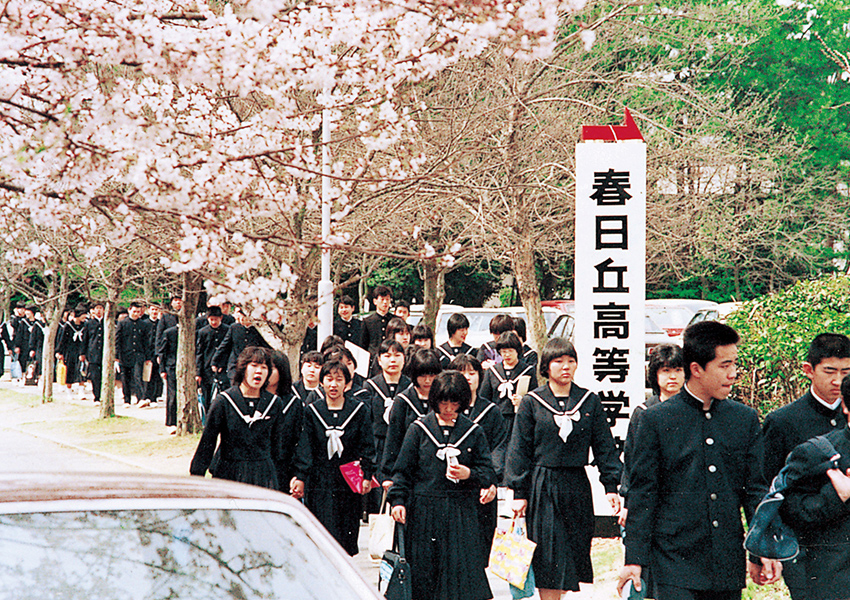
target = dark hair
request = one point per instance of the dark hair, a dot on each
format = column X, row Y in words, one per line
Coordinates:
column 700, row 342
column 828, row 345
column 251, row 354
column 457, row 321
column 95, row 303
column 422, row 332
column 337, row 353
column 402, row 304
column 462, row 362
column 34, row 309
column 388, row 345
column 663, row 356
column 332, row 341
column 137, row 304
column 347, row 300
column 334, row 366
column 395, row 326
column 845, row 390
column 519, row 327
column 500, row 324
column 555, row 348
column 281, row 363
column 509, row 339
column 449, row 386
column 313, row 356
column 381, row 290
column 423, row 362
column 214, row 311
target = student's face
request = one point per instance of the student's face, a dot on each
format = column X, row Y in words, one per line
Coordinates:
column 334, row 385
column 29, row 315
column 720, row 373
column 448, row 410
column 274, row 377
column 826, row 377
column 671, row 380
column 135, row 312
column 562, row 370
column 97, row 311
column 153, row 313
column 351, row 368
column 346, row 311
column 471, row 378
column 310, row 372
column 402, row 312
column 509, row 355
column 176, row 304
column 215, row 322
column 392, row 362
column 256, row 375
column 423, row 343
column 423, row 384
column 403, row 338
column 382, row 304
column 460, row 335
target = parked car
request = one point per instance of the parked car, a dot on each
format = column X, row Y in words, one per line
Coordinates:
column 565, row 306
column 136, row 536
column 479, row 322
column 673, row 314
column 654, row 334
column 718, row 312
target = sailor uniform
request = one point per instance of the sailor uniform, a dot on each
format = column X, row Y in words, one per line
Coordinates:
column 331, row 438
column 449, row 353
column 380, row 401
column 251, row 435
column 546, row 460
column 407, row 407
column 444, row 543
column 70, row 346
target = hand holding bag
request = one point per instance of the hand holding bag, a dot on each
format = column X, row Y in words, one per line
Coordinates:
column 395, row 571
column 511, row 554
column 381, row 529
column 353, row 475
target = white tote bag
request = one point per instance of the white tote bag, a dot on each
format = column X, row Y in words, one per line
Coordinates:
column 381, row 530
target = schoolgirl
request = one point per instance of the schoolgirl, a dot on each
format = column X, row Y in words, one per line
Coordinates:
column 292, row 416
column 501, row 380
column 458, row 328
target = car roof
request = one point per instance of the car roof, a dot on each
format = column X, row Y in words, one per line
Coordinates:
column 47, row 487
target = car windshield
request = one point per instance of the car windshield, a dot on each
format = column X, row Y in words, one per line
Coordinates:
column 159, row 554
column 670, row 317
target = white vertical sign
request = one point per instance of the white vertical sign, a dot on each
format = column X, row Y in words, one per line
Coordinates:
column 610, row 280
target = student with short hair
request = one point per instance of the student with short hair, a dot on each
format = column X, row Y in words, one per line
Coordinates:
column 311, row 367
column 337, row 430
column 441, row 469
column 346, row 325
column 382, row 389
column 501, row 380
column 817, row 412
column 402, row 310
column 374, row 326
column 529, row 354
column 409, row 405
column 457, row 328
column 422, row 336
column 487, row 354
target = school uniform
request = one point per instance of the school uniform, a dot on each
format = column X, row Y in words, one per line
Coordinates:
column 36, row 344
column 500, row 384
column 529, row 356
column 310, row 343
column 784, row 429
column 236, row 339
column 350, row 331
column 300, row 391
column 488, row 352
column 23, row 329
column 251, row 435
column 292, row 420
column 380, row 400
column 166, row 354
column 407, row 407
column 207, row 341
column 698, row 468
column 486, row 415
column 372, row 331
column 821, row 521
column 443, row 541
column 70, row 346
column 449, row 353
column 546, row 459
column 331, row 438
column 93, row 349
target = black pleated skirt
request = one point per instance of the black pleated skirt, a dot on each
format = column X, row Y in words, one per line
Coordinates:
column 560, row 521
column 444, row 546
column 256, row 472
column 334, row 504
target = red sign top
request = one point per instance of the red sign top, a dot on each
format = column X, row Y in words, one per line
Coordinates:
column 612, row 133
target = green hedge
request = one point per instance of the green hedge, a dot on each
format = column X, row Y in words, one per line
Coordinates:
column 776, row 331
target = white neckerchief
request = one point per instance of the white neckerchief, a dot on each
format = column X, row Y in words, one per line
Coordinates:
column 334, row 434
column 77, row 336
column 388, row 402
column 446, row 452
column 563, row 419
column 257, row 416
column 506, row 387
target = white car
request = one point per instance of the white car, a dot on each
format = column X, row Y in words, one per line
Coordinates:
column 135, row 537
column 479, row 322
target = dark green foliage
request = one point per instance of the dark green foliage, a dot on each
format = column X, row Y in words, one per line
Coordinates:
column 776, row 331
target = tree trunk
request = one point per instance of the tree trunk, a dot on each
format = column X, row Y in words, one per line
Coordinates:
column 434, row 291
column 107, row 383
column 529, row 292
column 53, row 309
column 5, row 305
column 188, row 414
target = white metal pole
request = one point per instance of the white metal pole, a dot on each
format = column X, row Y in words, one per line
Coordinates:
column 325, row 325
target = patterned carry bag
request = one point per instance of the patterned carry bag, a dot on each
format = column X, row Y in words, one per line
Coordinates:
column 511, row 554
